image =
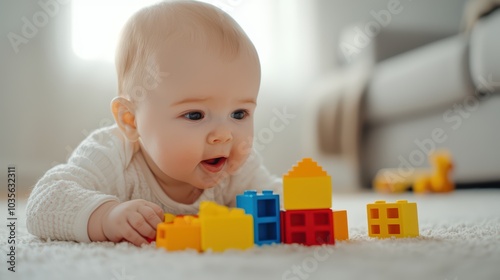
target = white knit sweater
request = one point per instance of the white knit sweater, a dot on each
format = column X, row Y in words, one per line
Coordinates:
column 106, row 167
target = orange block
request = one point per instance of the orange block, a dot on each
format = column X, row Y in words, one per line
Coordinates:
column 340, row 226
column 182, row 233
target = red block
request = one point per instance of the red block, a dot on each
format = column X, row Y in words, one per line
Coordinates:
column 307, row 227
column 282, row 226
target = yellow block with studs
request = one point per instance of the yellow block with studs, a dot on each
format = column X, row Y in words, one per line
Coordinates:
column 399, row 219
column 307, row 186
column 225, row 228
column 179, row 233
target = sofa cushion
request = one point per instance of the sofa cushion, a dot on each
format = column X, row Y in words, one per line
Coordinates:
column 485, row 53
column 419, row 81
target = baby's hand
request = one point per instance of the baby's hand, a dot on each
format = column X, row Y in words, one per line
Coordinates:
column 134, row 221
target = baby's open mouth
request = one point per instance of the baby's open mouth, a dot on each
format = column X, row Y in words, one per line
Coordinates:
column 214, row 164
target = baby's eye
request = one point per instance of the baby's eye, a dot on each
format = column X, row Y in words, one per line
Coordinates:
column 239, row 114
column 194, row 116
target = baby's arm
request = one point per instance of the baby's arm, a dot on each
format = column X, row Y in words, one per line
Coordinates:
column 80, row 200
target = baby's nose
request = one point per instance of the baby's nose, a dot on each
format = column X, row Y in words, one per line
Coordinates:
column 219, row 136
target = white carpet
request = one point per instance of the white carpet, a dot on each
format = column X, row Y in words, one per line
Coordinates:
column 460, row 239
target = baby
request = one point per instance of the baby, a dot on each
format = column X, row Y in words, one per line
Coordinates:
column 188, row 79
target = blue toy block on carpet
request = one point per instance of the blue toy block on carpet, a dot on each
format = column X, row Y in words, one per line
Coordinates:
column 265, row 209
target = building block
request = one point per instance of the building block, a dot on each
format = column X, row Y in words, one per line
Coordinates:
column 224, row 228
column 308, row 227
column 168, row 218
column 282, row 225
column 340, row 227
column 399, row 219
column 265, row 210
column 180, row 233
column 307, row 186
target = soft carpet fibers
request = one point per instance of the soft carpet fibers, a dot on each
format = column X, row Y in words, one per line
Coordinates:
column 460, row 239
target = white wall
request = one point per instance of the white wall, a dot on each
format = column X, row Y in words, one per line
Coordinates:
column 50, row 99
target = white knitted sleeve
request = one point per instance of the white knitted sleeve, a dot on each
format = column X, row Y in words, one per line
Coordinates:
column 64, row 198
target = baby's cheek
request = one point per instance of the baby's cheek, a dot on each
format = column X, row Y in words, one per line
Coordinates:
column 242, row 147
column 182, row 158
column 238, row 160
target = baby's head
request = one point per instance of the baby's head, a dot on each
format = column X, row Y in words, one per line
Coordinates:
column 188, row 79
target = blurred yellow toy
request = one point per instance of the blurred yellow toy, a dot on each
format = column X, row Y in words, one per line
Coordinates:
column 423, row 180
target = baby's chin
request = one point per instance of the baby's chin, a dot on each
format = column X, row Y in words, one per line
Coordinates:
column 212, row 181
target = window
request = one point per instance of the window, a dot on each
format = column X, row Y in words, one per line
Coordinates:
column 96, row 24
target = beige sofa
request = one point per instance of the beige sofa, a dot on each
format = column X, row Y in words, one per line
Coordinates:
column 390, row 114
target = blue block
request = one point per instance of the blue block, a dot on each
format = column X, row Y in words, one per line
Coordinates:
column 265, row 209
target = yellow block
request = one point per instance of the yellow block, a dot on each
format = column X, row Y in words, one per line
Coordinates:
column 223, row 228
column 340, row 227
column 181, row 233
column 399, row 219
column 306, row 168
column 302, row 193
column 168, row 218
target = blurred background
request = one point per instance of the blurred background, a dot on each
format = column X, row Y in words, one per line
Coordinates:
column 57, row 74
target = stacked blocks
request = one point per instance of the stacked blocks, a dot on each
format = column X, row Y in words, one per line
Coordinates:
column 307, row 218
column 223, row 228
column 397, row 219
column 216, row 228
column 307, row 196
column 265, row 209
column 179, row 233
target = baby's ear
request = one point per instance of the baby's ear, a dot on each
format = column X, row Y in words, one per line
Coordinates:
column 123, row 112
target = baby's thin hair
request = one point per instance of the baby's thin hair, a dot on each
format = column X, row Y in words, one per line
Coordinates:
column 148, row 29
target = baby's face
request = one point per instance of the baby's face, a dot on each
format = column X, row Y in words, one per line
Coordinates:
column 197, row 125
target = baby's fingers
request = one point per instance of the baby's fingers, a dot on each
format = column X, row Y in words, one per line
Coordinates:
column 150, row 215
column 139, row 224
column 157, row 209
column 132, row 236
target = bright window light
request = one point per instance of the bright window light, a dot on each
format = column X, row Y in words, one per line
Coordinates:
column 97, row 23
